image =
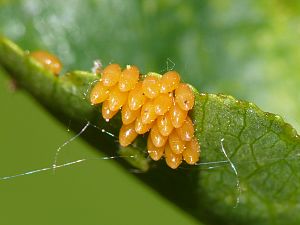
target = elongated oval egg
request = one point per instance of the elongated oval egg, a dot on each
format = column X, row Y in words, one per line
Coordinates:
column 136, row 97
column 169, row 81
column 192, row 153
column 49, row 61
column 176, row 144
column 184, row 97
column 111, row 75
column 127, row 134
column 164, row 124
column 107, row 114
column 99, row 93
column 163, row 103
column 157, row 138
column 173, row 160
column 151, row 86
column 128, row 115
column 148, row 114
column 177, row 116
column 117, row 98
column 140, row 127
column 155, row 152
column 186, row 131
column 129, row 77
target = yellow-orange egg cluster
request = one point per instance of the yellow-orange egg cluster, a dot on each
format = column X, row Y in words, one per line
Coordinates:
column 157, row 104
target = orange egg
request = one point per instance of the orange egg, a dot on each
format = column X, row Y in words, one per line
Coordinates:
column 151, row 86
column 111, row 75
column 129, row 77
column 48, row 60
column 117, row 98
column 107, row 114
column 184, row 97
column 163, row 103
column 99, row 93
column 155, row 152
column 169, row 81
column 164, row 124
column 176, row 144
column 156, row 137
column 177, row 116
column 192, row 153
column 128, row 115
column 140, row 127
column 127, row 134
column 173, row 160
column 136, row 97
column 148, row 114
column 186, row 131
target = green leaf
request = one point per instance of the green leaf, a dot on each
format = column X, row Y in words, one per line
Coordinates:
column 261, row 147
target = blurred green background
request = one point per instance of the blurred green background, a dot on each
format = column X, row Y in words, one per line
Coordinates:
column 248, row 49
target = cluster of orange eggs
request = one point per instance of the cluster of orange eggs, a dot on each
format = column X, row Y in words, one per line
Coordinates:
column 157, row 104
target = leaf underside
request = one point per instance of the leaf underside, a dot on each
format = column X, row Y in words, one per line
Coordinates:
column 263, row 149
